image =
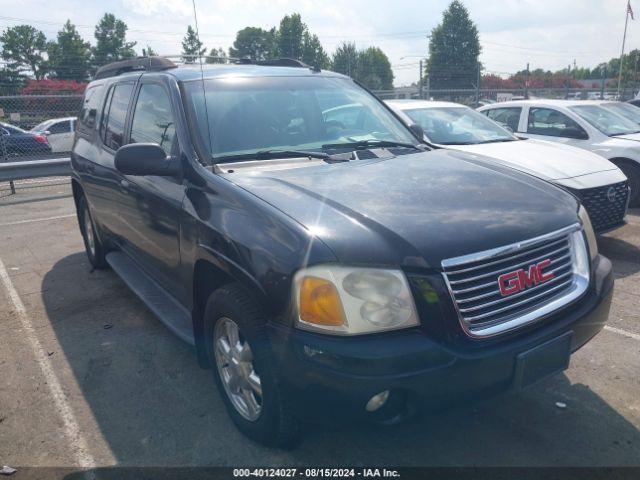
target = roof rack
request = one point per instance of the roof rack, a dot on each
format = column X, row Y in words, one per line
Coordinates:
column 278, row 62
column 145, row 64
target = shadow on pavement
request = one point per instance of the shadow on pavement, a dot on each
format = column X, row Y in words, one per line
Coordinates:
column 154, row 406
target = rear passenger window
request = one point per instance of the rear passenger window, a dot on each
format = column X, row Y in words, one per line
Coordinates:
column 153, row 119
column 114, row 121
column 60, row 127
column 546, row 121
column 89, row 111
column 507, row 116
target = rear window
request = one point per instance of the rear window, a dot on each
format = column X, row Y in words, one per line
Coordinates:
column 60, row 127
column 113, row 133
column 507, row 116
column 89, row 110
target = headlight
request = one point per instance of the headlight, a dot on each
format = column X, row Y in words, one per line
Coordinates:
column 350, row 301
column 588, row 231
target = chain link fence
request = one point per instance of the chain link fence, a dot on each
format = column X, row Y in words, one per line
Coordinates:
column 34, row 127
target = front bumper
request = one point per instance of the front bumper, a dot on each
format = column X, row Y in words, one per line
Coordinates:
column 324, row 376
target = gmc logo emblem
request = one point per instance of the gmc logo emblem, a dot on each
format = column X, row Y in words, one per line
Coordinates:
column 514, row 282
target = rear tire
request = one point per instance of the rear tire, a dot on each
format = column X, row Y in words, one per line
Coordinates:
column 633, row 175
column 246, row 376
column 93, row 246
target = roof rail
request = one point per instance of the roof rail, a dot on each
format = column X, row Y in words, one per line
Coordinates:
column 148, row 64
column 278, row 62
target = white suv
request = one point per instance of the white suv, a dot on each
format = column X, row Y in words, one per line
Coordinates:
column 599, row 184
column 580, row 123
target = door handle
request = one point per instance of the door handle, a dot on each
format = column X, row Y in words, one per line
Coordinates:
column 125, row 184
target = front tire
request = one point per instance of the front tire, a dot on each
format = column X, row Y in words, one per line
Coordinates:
column 632, row 173
column 239, row 355
column 93, row 246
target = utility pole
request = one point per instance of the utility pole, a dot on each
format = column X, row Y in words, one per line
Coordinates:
column 526, row 83
column 624, row 38
column 604, row 78
column 420, row 81
column 566, row 84
column 478, row 77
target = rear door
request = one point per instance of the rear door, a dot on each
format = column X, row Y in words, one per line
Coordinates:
column 150, row 206
column 60, row 136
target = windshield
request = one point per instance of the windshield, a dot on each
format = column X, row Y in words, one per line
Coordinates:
column 458, row 126
column 627, row 111
column 41, row 127
column 249, row 114
column 606, row 121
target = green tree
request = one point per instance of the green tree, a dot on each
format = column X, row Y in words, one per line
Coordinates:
column 111, row 41
column 217, row 55
column 254, row 43
column 149, row 52
column 24, row 47
column 69, row 55
column 192, row 46
column 290, row 36
column 11, row 81
column 374, row 69
column 312, row 51
column 454, row 50
column 345, row 59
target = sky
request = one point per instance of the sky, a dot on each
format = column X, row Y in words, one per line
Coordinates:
column 549, row 34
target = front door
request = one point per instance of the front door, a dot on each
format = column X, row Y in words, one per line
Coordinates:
column 552, row 125
column 150, row 206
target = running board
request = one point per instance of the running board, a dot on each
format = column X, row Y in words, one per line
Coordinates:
column 168, row 310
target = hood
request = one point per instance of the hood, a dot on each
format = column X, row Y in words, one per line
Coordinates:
column 548, row 160
column 413, row 210
column 632, row 136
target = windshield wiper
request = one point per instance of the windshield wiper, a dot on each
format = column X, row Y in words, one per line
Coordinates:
column 271, row 154
column 364, row 144
column 499, row 140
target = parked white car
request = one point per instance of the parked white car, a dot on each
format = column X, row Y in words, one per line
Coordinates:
column 59, row 133
column 585, row 124
column 600, row 185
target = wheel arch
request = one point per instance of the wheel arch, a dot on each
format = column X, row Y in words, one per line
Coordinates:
column 212, row 271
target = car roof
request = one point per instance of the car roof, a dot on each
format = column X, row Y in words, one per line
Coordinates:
column 408, row 104
column 186, row 73
column 60, row 119
column 544, row 102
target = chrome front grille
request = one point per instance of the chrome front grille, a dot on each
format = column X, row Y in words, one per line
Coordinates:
column 606, row 205
column 484, row 310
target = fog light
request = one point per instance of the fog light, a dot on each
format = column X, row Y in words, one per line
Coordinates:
column 377, row 401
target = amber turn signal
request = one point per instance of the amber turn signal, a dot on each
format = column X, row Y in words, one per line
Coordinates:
column 320, row 303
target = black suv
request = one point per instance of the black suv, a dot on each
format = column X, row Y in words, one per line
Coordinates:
column 322, row 260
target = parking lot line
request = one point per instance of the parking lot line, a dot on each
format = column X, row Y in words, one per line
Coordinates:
column 78, row 445
column 46, row 219
column 619, row 331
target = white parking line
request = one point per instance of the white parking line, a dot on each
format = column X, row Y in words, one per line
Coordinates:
column 73, row 432
column 46, row 219
column 619, row 331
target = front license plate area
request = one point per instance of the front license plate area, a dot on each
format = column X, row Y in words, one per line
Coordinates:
column 542, row 361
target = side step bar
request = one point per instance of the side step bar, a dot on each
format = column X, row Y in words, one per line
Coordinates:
column 168, row 310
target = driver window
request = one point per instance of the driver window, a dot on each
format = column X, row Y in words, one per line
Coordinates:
column 153, row 118
column 546, row 121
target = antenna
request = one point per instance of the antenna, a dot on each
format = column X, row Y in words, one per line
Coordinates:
column 204, row 93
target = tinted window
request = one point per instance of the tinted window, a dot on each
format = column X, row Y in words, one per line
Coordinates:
column 507, row 117
column 60, row 127
column 114, row 121
column 89, row 111
column 153, row 120
column 546, row 121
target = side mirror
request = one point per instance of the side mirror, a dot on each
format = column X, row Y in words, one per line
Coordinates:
column 417, row 131
column 145, row 159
